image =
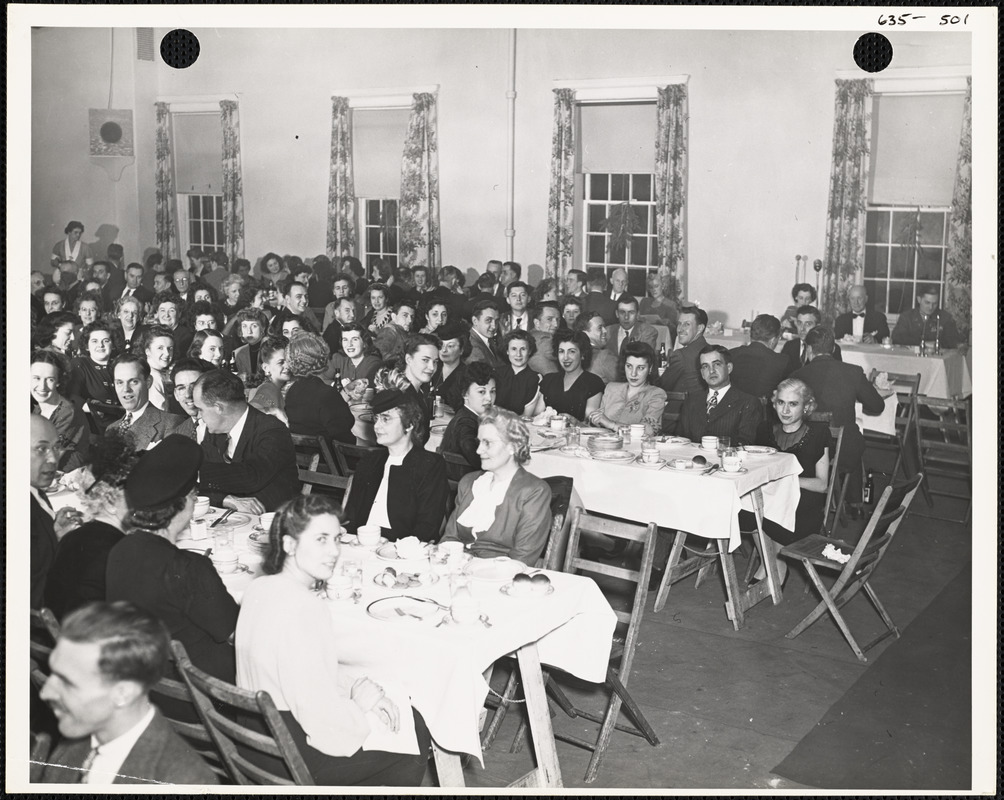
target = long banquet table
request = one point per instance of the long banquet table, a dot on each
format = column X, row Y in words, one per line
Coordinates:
column 944, row 375
column 441, row 668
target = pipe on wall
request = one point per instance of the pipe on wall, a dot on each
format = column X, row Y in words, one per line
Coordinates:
column 510, row 220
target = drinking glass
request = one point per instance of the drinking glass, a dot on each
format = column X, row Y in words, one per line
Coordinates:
column 724, row 443
column 353, row 570
column 572, row 434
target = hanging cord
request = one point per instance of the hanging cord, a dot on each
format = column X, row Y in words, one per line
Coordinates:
column 111, row 69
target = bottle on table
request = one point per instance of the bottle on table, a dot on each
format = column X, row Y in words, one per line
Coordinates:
column 662, row 357
column 869, row 488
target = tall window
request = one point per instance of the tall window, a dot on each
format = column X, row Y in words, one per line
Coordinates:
column 198, row 167
column 380, row 229
column 915, row 141
column 904, row 249
column 615, row 223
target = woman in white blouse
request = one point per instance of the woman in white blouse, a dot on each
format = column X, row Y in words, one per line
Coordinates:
column 504, row 510
column 286, row 646
column 158, row 348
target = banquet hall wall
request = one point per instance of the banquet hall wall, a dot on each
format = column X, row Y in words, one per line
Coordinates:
column 761, row 121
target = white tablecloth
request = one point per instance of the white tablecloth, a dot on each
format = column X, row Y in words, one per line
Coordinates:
column 946, row 375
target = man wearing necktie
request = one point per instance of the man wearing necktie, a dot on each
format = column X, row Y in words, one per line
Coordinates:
column 860, row 322
column 721, row 409
column 107, row 658
column 806, row 318
column 46, row 524
column 146, row 423
column 926, row 323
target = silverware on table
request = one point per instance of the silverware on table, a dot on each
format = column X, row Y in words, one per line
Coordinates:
column 226, row 514
column 402, row 613
column 484, row 620
column 427, row 600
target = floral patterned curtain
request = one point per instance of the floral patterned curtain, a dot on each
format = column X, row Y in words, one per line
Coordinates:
column 960, row 226
column 418, row 216
column 166, row 220
column 341, row 186
column 845, row 215
column 233, row 185
column 561, row 202
column 671, row 186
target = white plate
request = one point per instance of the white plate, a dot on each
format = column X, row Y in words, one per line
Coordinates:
column 740, row 471
column 352, row 540
column 692, row 469
column 200, row 546
column 547, row 433
column 574, row 450
column 388, row 552
column 242, row 569
column 424, row 579
column 386, row 609
column 507, row 591
column 592, row 431
column 234, row 521
column 708, row 449
column 760, row 450
column 650, row 465
column 496, row 570
column 617, row 456
column 439, row 426
column 675, row 440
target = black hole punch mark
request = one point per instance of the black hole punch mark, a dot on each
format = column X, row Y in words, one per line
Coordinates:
column 179, row 48
column 873, row 52
column 111, row 132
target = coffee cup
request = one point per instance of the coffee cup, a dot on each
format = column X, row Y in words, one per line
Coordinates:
column 637, row 431
column 369, row 535
column 201, row 507
column 266, row 520
column 709, row 442
column 339, row 587
column 557, row 423
column 731, row 462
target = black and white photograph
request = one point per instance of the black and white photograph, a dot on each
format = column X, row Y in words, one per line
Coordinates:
column 474, row 399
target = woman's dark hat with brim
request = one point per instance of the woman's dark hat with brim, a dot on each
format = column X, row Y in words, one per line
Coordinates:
column 386, row 399
column 168, row 471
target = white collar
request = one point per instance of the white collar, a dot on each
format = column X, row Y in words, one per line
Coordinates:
column 46, row 507
column 111, row 755
column 721, row 391
column 139, row 412
column 235, row 433
column 482, row 338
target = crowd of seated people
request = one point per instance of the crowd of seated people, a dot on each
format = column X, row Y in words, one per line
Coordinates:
column 171, row 378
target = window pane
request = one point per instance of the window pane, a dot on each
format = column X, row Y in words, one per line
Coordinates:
column 219, row 233
column 390, row 212
column 619, row 187
column 929, row 264
column 392, row 260
column 207, row 233
column 194, row 233
column 900, row 295
column 932, row 228
column 597, row 214
column 372, row 240
column 877, row 226
column 194, row 206
column 901, row 265
column 372, row 211
column 617, row 254
column 390, row 240
column 876, row 261
column 902, row 225
column 641, row 214
column 876, row 294
column 596, row 249
column 599, row 187
column 639, row 251
column 641, row 187
column 219, row 207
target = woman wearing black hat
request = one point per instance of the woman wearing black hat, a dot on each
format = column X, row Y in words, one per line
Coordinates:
column 402, row 488
column 146, row 568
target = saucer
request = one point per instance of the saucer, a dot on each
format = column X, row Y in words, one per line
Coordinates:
column 508, row 592
column 740, row 471
column 650, row 464
column 760, row 450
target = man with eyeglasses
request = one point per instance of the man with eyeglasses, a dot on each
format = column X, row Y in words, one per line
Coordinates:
column 47, row 525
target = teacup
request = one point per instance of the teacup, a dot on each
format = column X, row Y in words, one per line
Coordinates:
column 201, row 507
column 369, row 535
column 637, row 431
column 709, row 442
column 558, row 423
column 339, row 587
column 266, row 520
column 731, row 462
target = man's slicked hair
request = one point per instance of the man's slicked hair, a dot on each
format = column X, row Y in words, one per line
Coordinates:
column 220, row 386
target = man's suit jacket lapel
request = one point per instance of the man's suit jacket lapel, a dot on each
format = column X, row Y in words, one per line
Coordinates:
column 250, row 428
column 723, row 407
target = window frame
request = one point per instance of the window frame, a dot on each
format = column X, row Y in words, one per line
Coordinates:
column 363, row 225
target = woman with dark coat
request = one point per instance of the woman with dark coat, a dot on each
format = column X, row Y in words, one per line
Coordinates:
column 313, row 407
column 402, row 488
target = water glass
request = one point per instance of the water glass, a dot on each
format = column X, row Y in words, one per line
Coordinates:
column 353, row 570
column 223, row 538
column 572, row 435
column 649, row 450
column 731, row 462
column 724, row 443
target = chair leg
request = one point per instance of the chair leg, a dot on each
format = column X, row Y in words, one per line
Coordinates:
column 826, row 605
column 496, row 721
column 819, row 610
column 840, row 503
column 880, row 609
column 674, row 559
column 632, row 709
column 709, row 567
column 603, row 740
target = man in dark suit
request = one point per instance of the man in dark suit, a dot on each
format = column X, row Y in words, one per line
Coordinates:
column 145, row 422
column 838, row 387
column 722, row 410
column 861, row 322
column 133, row 286
column 598, row 299
column 756, row 368
column 683, row 370
column 926, row 323
column 806, row 318
column 46, row 524
column 545, row 322
column 107, row 659
column 515, row 315
column 249, row 463
column 484, row 323
column 629, row 329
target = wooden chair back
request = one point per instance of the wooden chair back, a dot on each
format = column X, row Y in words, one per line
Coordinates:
column 671, row 413
column 314, row 451
column 907, row 386
column 557, row 539
column 176, row 704
column 346, row 456
column 945, row 447
column 456, row 465
column 41, row 746
column 311, row 479
column 835, row 487
column 43, row 633
column 234, row 739
column 628, row 621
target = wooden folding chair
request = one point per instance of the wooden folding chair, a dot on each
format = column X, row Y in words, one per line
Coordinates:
column 907, row 386
column 43, row 633
column 836, row 487
column 313, row 451
column 456, row 465
column 347, row 456
column 176, row 704
column 671, row 413
column 945, row 448
column 41, row 746
column 624, row 642
column 311, row 479
column 234, row 740
column 856, row 574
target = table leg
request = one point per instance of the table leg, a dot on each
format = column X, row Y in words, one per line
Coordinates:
column 733, row 596
column 740, row 600
column 449, row 770
column 548, row 772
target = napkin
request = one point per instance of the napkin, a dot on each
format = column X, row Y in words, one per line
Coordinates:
column 882, row 381
column 835, row 554
column 544, row 417
column 409, row 547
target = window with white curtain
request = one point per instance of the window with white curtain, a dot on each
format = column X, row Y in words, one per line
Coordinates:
column 197, row 139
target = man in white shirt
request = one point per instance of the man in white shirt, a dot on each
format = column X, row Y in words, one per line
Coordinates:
column 518, row 296
column 629, row 329
column 184, row 373
column 575, row 283
column 294, row 298
column 721, row 409
column 107, row 658
column 484, row 322
column 146, row 423
column 618, row 283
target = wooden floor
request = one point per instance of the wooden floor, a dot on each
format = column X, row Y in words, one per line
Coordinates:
column 729, row 706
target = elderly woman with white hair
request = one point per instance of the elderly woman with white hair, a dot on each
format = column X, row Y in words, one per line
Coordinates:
column 313, row 407
column 77, row 576
column 502, row 510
